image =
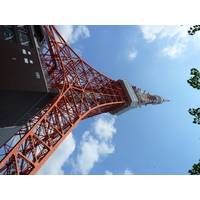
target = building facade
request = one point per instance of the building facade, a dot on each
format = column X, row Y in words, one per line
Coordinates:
column 23, row 86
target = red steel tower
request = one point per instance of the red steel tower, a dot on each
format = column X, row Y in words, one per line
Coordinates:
column 83, row 92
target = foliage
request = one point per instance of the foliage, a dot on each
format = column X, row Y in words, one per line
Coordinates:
column 195, row 80
column 196, row 113
column 193, row 29
column 195, row 169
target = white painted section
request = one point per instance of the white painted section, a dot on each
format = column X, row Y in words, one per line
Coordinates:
column 132, row 95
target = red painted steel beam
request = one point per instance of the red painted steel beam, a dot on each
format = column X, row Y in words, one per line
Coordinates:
column 84, row 92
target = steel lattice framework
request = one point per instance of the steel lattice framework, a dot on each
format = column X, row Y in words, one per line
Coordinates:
column 84, row 92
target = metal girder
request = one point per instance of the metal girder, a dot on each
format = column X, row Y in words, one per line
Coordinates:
column 84, row 92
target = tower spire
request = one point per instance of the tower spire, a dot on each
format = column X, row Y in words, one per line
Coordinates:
column 135, row 97
column 165, row 100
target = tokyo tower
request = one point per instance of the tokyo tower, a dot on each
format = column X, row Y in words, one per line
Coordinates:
column 58, row 89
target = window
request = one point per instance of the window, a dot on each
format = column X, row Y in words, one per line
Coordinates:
column 19, row 33
column 22, row 27
column 24, row 51
column 37, row 75
column 26, row 60
column 24, row 38
column 31, row 61
column 8, row 33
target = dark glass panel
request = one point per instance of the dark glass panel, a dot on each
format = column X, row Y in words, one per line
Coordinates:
column 8, row 33
column 24, row 38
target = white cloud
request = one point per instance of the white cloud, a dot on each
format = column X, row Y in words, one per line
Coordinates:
column 126, row 172
column 66, row 32
column 107, row 172
column 177, row 38
column 97, row 146
column 54, row 164
column 132, row 55
column 72, row 33
column 89, row 154
column 173, row 51
column 152, row 32
column 104, row 126
column 81, row 31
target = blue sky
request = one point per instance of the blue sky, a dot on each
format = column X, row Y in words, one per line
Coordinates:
column 154, row 139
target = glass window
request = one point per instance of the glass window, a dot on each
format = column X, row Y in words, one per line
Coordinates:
column 8, row 33
column 24, row 51
column 37, row 75
column 26, row 60
column 22, row 27
column 24, row 38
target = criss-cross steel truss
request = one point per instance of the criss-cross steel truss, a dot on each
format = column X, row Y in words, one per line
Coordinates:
column 84, row 92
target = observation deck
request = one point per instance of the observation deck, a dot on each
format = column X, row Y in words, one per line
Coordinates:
column 132, row 100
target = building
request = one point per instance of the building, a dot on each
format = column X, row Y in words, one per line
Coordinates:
column 23, row 86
